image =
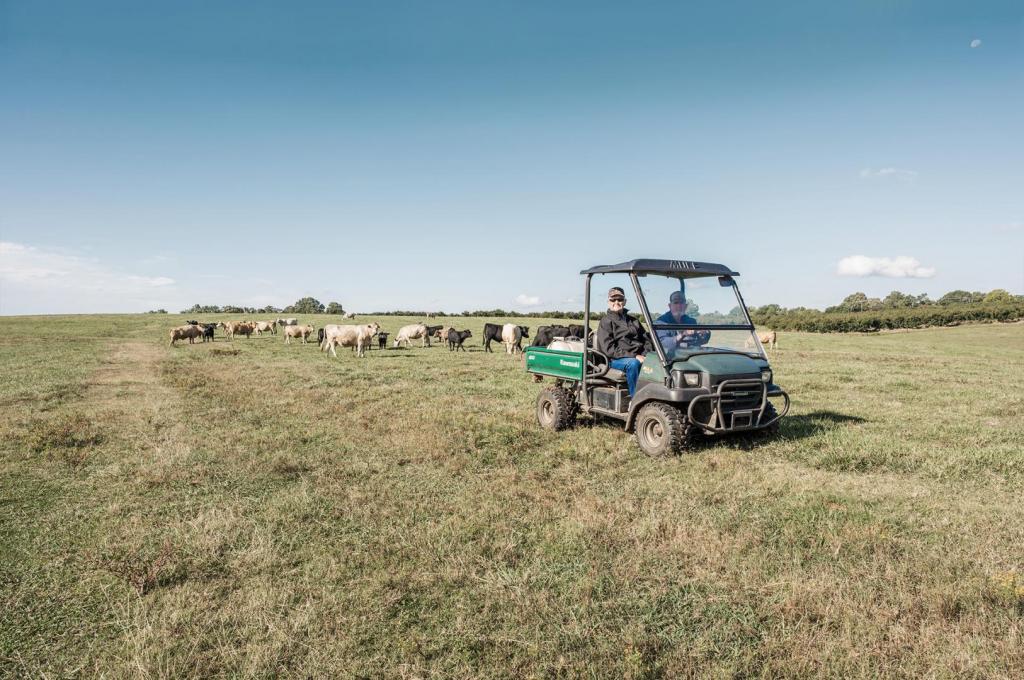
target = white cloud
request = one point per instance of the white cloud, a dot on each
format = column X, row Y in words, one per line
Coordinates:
column 527, row 300
column 37, row 279
column 1011, row 226
column 896, row 267
column 975, row 43
column 890, row 172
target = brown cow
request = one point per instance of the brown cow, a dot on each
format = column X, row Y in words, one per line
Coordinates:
column 190, row 332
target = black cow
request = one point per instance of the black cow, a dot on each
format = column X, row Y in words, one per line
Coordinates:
column 382, row 339
column 194, row 323
column 320, row 335
column 492, row 331
column 576, row 330
column 208, row 331
column 545, row 334
column 456, row 338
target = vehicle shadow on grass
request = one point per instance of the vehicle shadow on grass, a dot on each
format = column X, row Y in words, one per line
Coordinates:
column 798, row 427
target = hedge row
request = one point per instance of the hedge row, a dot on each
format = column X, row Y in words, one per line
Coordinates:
column 916, row 317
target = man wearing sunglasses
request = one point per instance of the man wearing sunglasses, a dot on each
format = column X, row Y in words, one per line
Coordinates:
column 676, row 313
column 623, row 339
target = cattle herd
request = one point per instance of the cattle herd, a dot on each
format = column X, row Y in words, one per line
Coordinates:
column 361, row 337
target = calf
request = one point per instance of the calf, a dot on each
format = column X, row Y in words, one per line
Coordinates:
column 576, row 331
column 382, row 340
column 208, row 329
column 456, row 338
column 297, row 332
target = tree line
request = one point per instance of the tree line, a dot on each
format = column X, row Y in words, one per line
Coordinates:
column 856, row 313
column 860, row 313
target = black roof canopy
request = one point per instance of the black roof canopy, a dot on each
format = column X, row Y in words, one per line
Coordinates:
column 682, row 268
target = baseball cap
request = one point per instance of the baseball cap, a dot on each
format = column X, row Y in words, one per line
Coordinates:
column 676, row 296
column 616, row 292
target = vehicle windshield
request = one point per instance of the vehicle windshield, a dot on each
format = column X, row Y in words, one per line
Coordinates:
column 694, row 315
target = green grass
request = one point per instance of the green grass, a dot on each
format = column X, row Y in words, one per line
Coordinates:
column 188, row 512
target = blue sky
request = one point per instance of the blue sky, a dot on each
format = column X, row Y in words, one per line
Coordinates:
column 465, row 155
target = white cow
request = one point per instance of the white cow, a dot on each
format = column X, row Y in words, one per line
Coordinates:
column 359, row 337
column 287, row 322
column 297, row 332
column 265, row 326
column 411, row 332
column 512, row 335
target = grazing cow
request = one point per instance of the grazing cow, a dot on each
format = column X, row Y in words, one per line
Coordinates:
column 382, row 339
column 411, row 332
column 261, row 326
column 512, row 335
column 456, row 338
column 545, row 334
column 286, row 322
column 492, row 331
column 193, row 323
column 358, row 337
column 768, row 339
column 297, row 332
column 350, row 315
column 189, row 331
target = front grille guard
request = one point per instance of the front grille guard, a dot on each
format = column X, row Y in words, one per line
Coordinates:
column 722, row 396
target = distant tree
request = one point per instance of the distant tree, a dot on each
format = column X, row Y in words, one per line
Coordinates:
column 307, row 305
column 960, row 297
column 269, row 309
column 898, row 300
column 157, row 311
column 999, row 295
column 335, row 308
column 768, row 310
column 232, row 309
column 692, row 308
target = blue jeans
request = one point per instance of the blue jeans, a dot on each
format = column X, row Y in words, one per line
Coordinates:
column 631, row 367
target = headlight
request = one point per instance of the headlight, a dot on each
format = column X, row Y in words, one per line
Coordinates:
column 692, row 379
column 766, row 375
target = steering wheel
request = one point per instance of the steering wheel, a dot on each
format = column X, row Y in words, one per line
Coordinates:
column 596, row 369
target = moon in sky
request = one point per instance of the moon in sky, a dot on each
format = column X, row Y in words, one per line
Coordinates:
column 975, row 43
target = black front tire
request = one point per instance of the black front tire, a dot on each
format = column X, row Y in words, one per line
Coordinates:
column 556, row 409
column 663, row 430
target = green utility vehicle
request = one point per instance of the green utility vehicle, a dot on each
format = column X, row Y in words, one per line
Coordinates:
column 708, row 373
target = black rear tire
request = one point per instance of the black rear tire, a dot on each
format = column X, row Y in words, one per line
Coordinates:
column 556, row 408
column 662, row 430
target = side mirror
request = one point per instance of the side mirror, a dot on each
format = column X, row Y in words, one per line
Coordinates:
column 726, row 281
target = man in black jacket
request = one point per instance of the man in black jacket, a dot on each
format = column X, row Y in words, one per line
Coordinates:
column 623, row 339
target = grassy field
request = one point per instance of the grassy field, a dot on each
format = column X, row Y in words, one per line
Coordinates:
column 256, row 509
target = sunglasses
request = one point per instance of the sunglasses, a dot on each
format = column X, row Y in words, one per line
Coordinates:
column 617, row 299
